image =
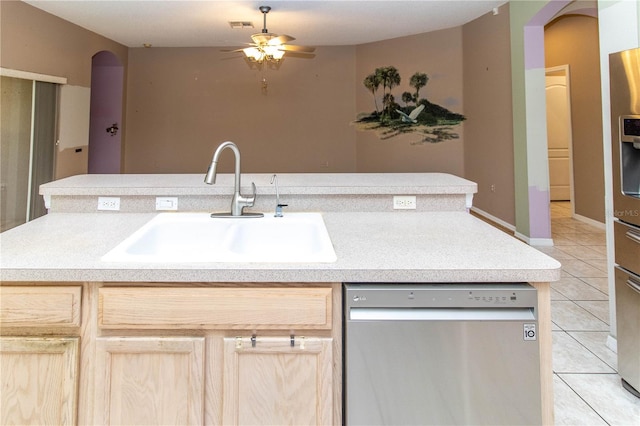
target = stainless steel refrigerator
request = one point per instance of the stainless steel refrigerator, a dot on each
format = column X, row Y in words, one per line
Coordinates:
column 624, row 68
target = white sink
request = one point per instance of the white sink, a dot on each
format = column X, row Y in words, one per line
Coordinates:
column 196, row 237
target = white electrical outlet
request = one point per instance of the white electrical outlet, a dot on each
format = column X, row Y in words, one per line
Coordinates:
column 404, row 202
column 166, row 203
column 108, row 203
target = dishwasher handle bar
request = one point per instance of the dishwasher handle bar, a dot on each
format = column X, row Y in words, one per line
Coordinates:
column 442, row 314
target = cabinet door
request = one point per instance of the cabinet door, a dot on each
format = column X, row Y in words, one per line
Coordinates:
column 273, row 382
column 149, row 380
column 39, row 379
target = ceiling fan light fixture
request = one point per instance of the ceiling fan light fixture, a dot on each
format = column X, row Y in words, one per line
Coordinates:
column 270, row 47
column 272, row 50
column 263, row 53
column 254, row 54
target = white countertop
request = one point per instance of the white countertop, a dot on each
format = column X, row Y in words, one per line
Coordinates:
column 289, row 183
column 370, row 247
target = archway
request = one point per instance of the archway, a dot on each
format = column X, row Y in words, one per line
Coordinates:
column 533, row 219
column 562, row 35
column 105, row 128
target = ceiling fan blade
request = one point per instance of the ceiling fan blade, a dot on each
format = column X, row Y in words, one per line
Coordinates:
column 232, row 50
column 294, row 48
column 266, row 38
column 281, row 39
column 259, row 38
column 300, row 55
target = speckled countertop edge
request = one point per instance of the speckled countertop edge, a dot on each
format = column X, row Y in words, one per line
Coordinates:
column 371, row 247
column 289, row 183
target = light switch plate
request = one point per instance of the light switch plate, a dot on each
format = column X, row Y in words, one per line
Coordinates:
column 166, row 203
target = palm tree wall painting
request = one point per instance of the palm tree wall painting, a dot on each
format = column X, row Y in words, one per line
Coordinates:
column 432, row 122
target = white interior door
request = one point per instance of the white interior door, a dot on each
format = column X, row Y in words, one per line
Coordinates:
column 559, row 133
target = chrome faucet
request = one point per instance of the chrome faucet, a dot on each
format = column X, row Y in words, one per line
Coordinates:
column 239, row 202
column 279, row 206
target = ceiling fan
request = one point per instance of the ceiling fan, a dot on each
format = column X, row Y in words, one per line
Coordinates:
column 271, row 47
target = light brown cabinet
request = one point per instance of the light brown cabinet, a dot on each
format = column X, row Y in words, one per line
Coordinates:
column 146, row 380
column 39, row 378
column 214, row 355
column 39, row 354
column 168, row 353
column 277, row 381
column 162, row 380
column 215, row 308
column 41, row 308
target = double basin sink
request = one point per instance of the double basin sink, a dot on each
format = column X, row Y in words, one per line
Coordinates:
column 197, row 237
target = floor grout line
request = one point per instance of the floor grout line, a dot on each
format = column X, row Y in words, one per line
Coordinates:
column 571, row 232
column 581, row 398
column 571, row 239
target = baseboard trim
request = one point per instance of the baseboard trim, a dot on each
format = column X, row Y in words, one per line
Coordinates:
column 538, row 242
column 590, row 221
column 612, row 343
column 494, row 219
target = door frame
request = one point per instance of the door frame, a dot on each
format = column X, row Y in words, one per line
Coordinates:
column 107, row 94
column 563, row 70
column 34, row 78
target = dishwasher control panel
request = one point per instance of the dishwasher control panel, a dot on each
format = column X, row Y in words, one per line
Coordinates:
column 454, row 295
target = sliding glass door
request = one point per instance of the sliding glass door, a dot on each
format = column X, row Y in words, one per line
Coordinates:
column 28, row 137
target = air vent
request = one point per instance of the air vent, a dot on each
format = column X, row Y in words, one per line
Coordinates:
column 240, row 24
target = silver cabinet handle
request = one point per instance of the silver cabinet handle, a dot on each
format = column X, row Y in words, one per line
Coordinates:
column 633, row 236
column 635, row 286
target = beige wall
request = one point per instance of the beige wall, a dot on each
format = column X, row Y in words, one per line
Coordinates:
column 183, row 102
column 439, row 55
column 488, row 149
column 573, row 40
column 35, row 41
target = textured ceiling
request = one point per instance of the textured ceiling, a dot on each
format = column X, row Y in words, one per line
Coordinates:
column 311, row 22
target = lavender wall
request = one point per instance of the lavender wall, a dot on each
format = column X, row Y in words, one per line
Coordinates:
column 106, row 109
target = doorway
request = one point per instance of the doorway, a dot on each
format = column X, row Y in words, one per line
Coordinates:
column 105, row 124
column 581, row 68
column 559, row 136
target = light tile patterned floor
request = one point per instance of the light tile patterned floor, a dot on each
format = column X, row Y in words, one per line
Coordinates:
column 586, row 385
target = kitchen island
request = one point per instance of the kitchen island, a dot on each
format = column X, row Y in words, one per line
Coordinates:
column 55, row 286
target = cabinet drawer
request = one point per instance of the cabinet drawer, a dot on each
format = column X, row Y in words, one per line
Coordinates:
column 627, row 246
column 262, row 308
column 40, row 306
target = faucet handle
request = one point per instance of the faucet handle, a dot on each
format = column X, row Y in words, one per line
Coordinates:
column 243, row 201
column 252, row 198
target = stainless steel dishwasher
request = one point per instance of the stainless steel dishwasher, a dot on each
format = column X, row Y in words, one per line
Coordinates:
column 442, row 354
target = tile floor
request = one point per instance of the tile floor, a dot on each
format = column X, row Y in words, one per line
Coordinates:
column 586, row 386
